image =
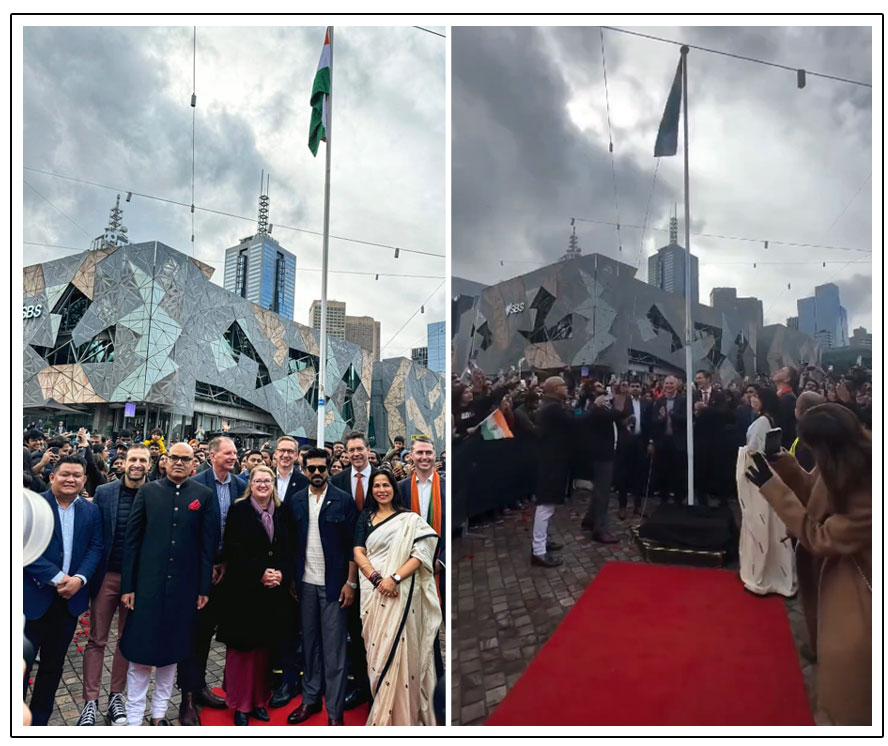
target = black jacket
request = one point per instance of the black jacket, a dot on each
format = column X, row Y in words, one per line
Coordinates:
column 253, row 616
column 171, row 539
column 679, row 423
column 595, row 439
column 555, row 429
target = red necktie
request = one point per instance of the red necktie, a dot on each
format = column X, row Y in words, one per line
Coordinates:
column 359, row 492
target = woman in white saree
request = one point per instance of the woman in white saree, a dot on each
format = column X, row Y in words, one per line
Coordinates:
column 767, row 562
column 400, row 611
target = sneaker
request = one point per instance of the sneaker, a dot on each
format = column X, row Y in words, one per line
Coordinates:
column 116, row 710
column 89, row 713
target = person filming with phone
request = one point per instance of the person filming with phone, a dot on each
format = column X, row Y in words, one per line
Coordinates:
column 829, row 511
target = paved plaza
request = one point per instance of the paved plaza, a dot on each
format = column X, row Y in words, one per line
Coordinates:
column 504, row 609
column 69, row 697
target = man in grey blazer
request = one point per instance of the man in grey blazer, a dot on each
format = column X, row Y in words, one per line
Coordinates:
column 114, row 502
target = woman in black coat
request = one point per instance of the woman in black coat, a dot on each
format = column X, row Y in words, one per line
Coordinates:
column 256, row 607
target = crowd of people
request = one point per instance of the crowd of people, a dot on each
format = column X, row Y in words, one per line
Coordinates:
column 263, row 549
column 793, row 448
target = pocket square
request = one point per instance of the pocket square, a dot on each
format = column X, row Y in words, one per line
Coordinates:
column 195, row 505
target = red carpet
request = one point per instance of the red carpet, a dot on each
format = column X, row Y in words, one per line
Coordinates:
column 209, row 716
column 660, row 645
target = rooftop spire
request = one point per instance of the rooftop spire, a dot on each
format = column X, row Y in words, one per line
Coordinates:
column 263, row 204
column 115, row 233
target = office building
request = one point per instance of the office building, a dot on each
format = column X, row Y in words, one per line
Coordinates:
column 420, row 356
column 823, row 317
column 260, row 270
column 725, row 299
column 363, row 331
column 861, row 338
column 666, row 268
column 436, row 343
column 335, row 317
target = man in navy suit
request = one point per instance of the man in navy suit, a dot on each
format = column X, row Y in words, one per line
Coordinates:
column 325, row 582
column 668, row 438
column 114, row 501
column 423, row 452
column 192, row 671
column 632, row 450
column 356, row 482
column 55, row 592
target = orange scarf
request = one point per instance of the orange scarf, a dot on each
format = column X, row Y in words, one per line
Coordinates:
column 434, row 511
column 435, row 506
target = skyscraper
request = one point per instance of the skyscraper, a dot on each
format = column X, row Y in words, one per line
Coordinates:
column 436, row 344
column 259, row 269
column 666, row 268
column 364, row 331
column 420, row 356
column 823, row 317
column 335, row 317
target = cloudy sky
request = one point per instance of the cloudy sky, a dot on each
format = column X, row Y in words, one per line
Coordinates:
column 112, row 106
column 768, row 161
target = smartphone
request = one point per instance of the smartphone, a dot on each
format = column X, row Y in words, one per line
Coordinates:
column 773, row 440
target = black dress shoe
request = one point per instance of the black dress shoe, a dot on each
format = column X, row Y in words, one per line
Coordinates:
column 605, row 539
column 587, row 525
column 260, row 713
column 303, row 713
column 335, row 721
column 188, row 714
column 283, row 695
column 546, row 560
column 208, row 699
column 355, row 698
column 241, row 718
column 553, row 546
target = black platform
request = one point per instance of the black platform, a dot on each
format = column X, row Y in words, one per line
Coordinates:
column 689, row 535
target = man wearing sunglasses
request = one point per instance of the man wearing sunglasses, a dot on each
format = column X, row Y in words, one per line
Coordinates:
column 325, row 581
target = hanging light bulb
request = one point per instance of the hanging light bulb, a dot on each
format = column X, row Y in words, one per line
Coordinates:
column 422, row 309
column 766, row 244
column 129, row 196
column 824, row 264
column 397, row 253
column 789, row 286
column 377, row 275
column 754, row 265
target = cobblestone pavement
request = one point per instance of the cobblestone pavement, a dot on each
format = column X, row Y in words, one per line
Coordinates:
column 504, row 609
column 69, row 696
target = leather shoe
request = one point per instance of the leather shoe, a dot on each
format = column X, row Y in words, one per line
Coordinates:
column 260, row 713
column 605, row 539
column 188, row 714
column 588, row 525
column 546, row 560
column 241, row 718
column 355, row 698
column 335, row 721
column 303, row 713
column 553, row 546
column 283, row 695
column 208, row 699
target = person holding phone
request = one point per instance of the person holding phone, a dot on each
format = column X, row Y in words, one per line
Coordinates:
column 767, row 562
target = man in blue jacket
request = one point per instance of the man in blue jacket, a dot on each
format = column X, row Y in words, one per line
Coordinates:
column 55, row 592
column 325, row 581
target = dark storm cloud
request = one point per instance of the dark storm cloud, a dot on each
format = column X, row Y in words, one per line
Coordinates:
column 521, row 168
column 530, row 150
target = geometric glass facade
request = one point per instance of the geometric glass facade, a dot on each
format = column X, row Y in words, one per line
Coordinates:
column 142, row 323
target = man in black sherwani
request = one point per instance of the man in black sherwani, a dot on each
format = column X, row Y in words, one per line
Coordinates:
column 171, row 539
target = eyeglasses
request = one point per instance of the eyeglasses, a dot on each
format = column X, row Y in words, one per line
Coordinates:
column 262, row 481
column 311, row 468
column 182, row 459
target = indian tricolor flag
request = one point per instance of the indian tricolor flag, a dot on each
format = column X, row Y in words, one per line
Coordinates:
column 317, row 131
column 495, row 427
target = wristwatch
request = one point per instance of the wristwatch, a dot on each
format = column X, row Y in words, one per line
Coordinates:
column 396, row 578
column 353, row 586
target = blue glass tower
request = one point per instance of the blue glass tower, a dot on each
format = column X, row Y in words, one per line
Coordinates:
column 437, row 346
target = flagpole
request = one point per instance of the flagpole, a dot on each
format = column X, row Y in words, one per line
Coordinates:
column 689, row 326
column 322, row 371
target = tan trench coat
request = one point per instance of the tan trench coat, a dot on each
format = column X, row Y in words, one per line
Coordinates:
column 834, row 561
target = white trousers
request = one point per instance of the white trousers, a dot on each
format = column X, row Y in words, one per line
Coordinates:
column 541, row 518
column 138, row 676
